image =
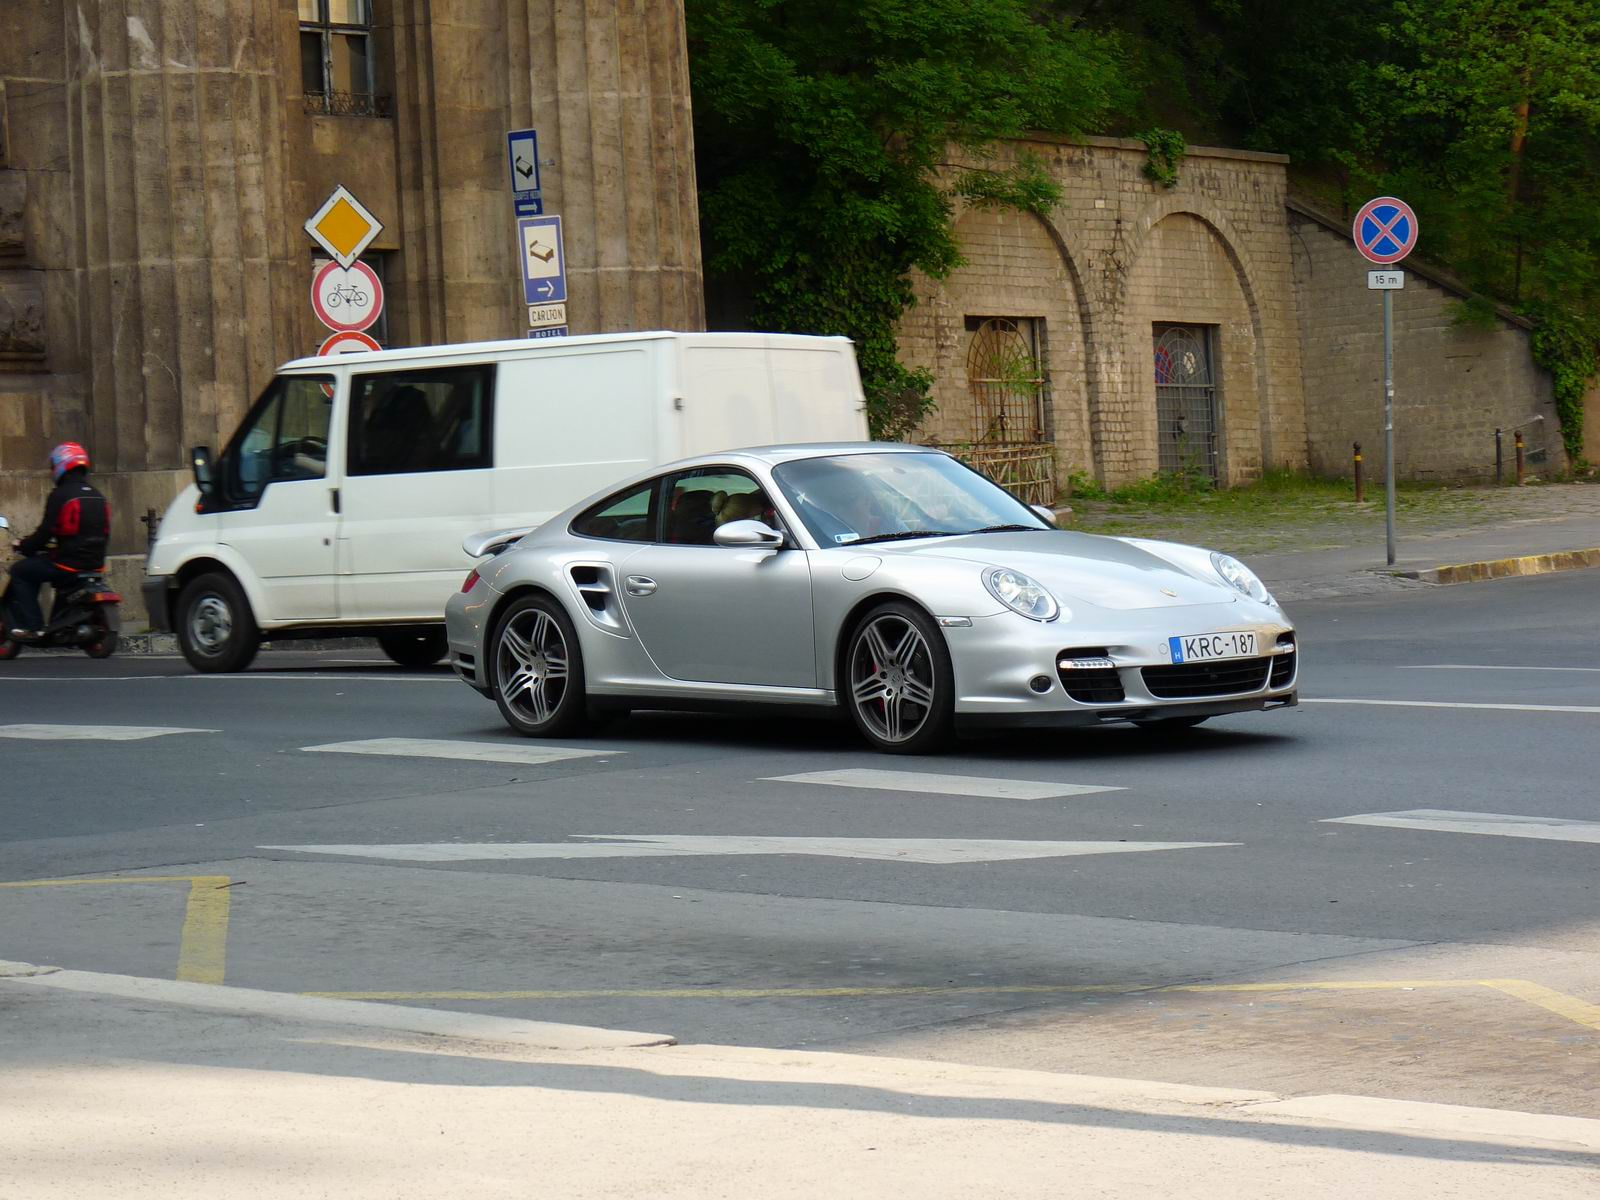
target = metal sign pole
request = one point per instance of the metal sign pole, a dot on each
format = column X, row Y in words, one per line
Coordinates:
column 1385, row 231
column 1388, row 419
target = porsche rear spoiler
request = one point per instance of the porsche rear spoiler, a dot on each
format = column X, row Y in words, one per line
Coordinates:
column 494, row 541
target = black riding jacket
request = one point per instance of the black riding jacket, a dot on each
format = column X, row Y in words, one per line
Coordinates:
column 78, row 519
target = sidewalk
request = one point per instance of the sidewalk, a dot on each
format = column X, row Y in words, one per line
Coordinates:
column 1306, row 548
column 1354, row 570
column 113, row 1087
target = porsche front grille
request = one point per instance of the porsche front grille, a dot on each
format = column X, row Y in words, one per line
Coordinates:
column 1089, row 676
column 1192, row 681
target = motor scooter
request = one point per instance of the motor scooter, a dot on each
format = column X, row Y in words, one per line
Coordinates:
column 84, row 613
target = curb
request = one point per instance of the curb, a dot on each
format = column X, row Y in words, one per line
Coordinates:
column 286, row 1006
column 1506, row 568
column 167, row 643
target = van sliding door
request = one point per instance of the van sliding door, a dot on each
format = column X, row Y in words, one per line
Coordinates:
column 419, row 453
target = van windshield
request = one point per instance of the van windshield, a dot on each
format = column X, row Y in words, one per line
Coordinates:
column 284, row 437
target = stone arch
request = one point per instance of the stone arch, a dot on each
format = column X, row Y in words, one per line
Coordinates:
column 1246, row 398
column 1017, row 264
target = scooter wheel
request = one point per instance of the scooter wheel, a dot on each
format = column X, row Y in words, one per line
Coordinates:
column 8, row 648
column 102, row 647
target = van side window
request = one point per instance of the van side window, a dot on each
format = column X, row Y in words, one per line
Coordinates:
column 284, row 438
column 626, row 517
column 403, row 422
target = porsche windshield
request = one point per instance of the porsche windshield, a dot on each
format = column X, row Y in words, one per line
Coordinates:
column 846, row 499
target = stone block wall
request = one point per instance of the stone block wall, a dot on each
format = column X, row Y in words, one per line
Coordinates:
column 1454, row 385
column 157, row 163
column 1121, row 254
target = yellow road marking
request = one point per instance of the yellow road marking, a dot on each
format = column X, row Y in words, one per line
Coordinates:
column 1563, row 1005
column 1559, row 1003
column 203, row 944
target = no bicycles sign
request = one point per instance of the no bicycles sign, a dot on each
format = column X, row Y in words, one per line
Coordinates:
column 346, row 301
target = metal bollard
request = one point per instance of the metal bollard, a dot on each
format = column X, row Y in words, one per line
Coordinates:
column 1519, row 458
column 1361, row 484
column 1499, row 458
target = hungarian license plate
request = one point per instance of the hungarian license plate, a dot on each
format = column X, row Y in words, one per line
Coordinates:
column 1205, row 647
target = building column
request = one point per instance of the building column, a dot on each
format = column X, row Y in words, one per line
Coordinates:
column 175, row 131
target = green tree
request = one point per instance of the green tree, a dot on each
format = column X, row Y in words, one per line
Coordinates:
column 1491, row 127
column 820, row 127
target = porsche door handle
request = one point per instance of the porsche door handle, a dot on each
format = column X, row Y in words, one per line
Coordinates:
column 640, row 585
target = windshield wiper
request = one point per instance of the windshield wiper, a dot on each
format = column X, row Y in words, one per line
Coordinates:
column 1008, row 529
column 903, row 535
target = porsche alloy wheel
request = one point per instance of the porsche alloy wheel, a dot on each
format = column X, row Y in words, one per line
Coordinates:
column 900, row 681
column 538, row 670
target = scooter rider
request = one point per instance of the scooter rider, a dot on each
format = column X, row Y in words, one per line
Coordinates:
column 77, row 519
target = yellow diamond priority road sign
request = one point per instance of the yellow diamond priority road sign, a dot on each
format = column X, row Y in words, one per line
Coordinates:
column 343, row 227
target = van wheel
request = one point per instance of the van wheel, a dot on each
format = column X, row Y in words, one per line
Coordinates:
column 536, row 668
column 415, row 648
column 216, row 629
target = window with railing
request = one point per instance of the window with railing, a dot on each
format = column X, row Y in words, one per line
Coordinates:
column 338, row 63
column 1008, row 406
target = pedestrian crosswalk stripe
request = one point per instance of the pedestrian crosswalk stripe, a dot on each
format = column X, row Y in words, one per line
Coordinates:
column 92, row 733
column 943, row 785
column 668, row 845
column 487, row 752
column 1438, row 820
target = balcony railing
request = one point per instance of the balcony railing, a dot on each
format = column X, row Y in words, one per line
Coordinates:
column 348, row 104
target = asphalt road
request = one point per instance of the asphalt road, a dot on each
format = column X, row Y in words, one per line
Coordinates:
column 1262, row 943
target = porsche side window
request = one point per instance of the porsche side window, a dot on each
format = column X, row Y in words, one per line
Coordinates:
column 702, row 500
column 622, row 518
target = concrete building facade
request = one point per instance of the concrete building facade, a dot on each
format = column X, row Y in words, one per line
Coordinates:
column 158, row 159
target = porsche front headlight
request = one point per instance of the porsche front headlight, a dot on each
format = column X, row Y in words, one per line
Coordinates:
column 1021, row 594
column 1241, row 578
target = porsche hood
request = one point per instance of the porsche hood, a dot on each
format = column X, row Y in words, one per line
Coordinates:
column 1081, row 568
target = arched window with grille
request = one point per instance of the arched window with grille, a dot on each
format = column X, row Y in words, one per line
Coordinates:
column 1008, row 394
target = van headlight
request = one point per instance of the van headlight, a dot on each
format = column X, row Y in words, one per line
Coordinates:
column 1021, row 594
column 1242, row 578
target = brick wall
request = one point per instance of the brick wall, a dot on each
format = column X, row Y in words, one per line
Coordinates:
column 1121, row 254
column 1454, row 385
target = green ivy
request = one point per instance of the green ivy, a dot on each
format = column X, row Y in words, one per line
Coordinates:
column 1166, row 149
column 823, row 140
column 1569, row 348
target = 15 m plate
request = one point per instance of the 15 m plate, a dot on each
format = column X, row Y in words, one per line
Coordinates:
column 1210, row 647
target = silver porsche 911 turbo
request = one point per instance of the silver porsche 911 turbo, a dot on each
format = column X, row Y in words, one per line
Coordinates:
column 887, row 581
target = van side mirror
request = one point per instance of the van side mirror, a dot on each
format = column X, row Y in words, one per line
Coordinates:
column 200, row 460
column 1044, row 514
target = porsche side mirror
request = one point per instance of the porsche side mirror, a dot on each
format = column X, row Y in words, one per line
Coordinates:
column 747, row 533
column 200, row 460
column 1044, row 514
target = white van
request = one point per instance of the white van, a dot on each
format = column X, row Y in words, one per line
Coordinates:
column 340, row 504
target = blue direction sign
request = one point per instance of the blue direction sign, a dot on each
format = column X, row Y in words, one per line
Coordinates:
column 544, row 260
column 1385, row 230
column 522, row 152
